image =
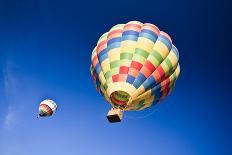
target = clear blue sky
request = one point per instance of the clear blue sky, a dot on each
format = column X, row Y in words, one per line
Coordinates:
column 45, row 49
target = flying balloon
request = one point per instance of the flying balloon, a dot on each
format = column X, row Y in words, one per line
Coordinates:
column 134, row 66
column 47, row 108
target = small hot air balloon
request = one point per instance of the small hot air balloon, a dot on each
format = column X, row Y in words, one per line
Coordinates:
column 134, row 66
column 47, row 108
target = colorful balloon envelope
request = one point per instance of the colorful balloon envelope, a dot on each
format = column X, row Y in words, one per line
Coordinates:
column 134, row 66
column 47, row 108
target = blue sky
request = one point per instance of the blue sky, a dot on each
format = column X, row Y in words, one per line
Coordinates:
column 45, row 49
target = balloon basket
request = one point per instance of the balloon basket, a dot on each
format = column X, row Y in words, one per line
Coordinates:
column 114, row 115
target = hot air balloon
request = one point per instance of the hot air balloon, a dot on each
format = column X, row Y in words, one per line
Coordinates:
column 47, row 108
column 134, row 66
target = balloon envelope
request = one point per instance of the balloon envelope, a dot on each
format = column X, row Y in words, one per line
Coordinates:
column 134, row 65
column 47, row 108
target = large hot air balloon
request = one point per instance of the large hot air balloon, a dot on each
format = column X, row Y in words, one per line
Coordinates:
column 47, row 108
column 134, row 66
